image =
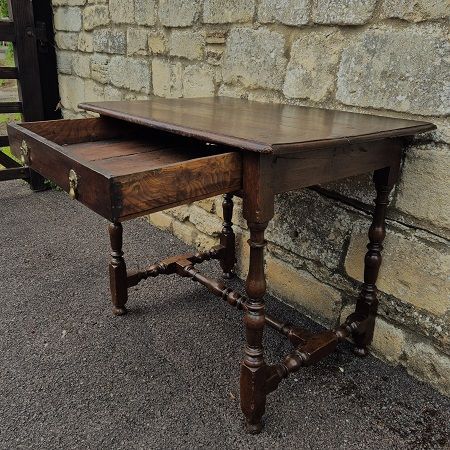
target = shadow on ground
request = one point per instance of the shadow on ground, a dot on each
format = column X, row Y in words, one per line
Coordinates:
column 166, row 375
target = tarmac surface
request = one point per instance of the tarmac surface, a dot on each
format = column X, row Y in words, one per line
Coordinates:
column 165, row 376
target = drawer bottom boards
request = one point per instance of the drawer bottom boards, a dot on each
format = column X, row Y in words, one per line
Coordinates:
column 122, row 171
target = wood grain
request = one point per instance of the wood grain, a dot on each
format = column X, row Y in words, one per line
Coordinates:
column 253, row 126
column 181, row 182
column 122, row 178
column 317, row 166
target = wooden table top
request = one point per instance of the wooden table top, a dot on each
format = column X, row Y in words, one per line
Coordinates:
column 254, row 126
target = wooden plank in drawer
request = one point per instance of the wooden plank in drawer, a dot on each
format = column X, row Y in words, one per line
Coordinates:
column 121, row 177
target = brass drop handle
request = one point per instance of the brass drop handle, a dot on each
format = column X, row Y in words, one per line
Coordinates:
column 24, row 153
column 73, row 184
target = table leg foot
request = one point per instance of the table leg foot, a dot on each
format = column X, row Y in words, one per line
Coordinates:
column 254, row 428
column 119, row 311
column 361, row 352
column 228, row 275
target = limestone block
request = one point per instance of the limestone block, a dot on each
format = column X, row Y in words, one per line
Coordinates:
column 289, row 12
column 167, row 78
column 228, row 11
column 85, row 42
column 400, row 70
column 205, row 242
column 424, row 187
column 300, row 288
column 185, row 231
column 67, row 19
column 205, row 222
column 208, row 204
column 156, row 43
column 145, row 12
column 310, row 226
column 198, row 81
column 309, row 74
column 111, row 93
column 359, row 187
column 429, row 364
column 93, row 92
column 122, row 11
column 135, row 96
column 255, row 58
column 68, row 2
column 187, row 44
column 130, row 73
column 161, row 220
column 228, row 90
column 178, row 13
column 179, row 212
column 95, row 16
column 64, row 62
column 242, row 253
column 71, row 90
column 416, row 10
column 137, row 41
column 388, row 340
column 66, row 41
column 343, row 12
column 109, row 41
column 413, row 270
column 99, row 68
column 81, row 65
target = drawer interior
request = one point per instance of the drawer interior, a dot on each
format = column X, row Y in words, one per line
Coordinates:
column 122, row 156
column 125, row 170
column 113, row 147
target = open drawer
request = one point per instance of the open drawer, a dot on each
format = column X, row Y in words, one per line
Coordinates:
column 121, row 170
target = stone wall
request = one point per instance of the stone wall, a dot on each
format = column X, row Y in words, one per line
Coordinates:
column 379, row 57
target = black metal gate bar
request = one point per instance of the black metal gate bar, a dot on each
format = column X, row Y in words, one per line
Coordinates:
column 33, row 57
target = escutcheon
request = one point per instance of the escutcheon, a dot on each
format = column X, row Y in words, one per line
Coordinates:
column 73, row 184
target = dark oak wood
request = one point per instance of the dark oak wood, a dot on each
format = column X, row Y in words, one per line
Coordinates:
column 121, row 178
column 227, row 238
column 367, row 304
column 254, row 126
column 253, row 366
column 142, row 157
column 117, row 270
column 297, row 170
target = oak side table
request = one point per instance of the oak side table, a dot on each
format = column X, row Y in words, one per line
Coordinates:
column 139, row 157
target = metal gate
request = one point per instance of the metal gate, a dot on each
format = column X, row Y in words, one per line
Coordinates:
column 30, row 29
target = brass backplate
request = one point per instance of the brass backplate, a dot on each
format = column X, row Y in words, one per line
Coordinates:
column 73, row 184
column 24, row 153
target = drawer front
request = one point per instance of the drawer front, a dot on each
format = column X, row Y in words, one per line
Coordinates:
column 54, row 163
column 178, row 184
column 119, row 175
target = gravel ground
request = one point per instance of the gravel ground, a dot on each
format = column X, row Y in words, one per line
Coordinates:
column 166, row 375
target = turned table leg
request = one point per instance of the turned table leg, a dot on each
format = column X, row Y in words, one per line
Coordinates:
column 227, row 238
column 117, row 270
column 253, row 366
column 367, row 304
